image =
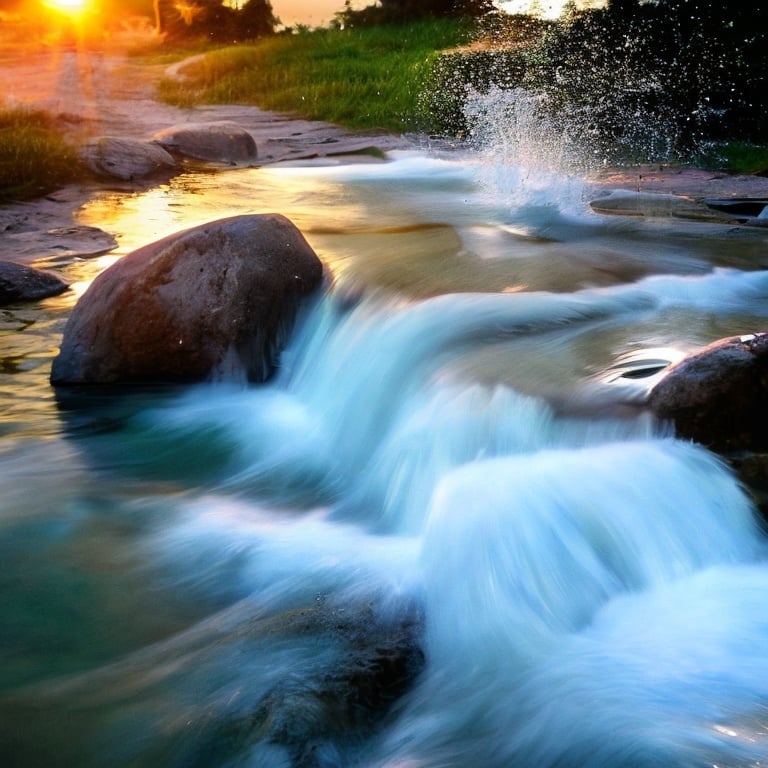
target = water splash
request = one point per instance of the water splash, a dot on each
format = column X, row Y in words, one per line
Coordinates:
column 528, row 160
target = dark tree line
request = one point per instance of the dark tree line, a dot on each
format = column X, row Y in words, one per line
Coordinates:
column 686, row 71
column 214, row 20
column 636, row 79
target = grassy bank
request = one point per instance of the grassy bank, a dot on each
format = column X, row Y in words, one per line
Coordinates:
column 35, row 157
column 370, row 78
column 736, row 157
column 397, row 78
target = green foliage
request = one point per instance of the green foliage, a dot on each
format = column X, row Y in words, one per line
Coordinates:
column 500, row 58
column 734, row 157
column 369, row 78
column 658, row 79
column 35, row 158
column 636, row 81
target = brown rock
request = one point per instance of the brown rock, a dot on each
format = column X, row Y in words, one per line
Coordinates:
column 221, row 141
column 212, row 301
column 717, row 396
column 128, row 159
column 21, row 283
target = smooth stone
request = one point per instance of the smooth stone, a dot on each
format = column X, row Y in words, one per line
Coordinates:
column 651, row 204
column 216, row 301
column 58, row 243
column 221, row 141
column 717, row 395
column 128, row 159
column 19, row 282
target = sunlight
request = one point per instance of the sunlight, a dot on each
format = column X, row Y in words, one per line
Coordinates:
column 546, row 9
column 69, row 7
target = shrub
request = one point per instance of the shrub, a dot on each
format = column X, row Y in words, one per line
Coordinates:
column 35, row 158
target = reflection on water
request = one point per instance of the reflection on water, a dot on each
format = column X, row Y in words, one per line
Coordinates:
column 434, row 539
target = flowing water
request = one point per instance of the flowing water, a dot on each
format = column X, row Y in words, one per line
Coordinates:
column 447, row 468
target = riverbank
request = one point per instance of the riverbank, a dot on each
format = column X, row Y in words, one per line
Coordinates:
column 94, row 93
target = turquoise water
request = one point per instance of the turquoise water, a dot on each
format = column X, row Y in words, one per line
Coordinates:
column 196, row 576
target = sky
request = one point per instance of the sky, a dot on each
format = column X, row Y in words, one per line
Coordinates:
column 317, row 13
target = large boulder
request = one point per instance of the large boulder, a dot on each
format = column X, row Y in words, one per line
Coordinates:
column 717, row 396
column 21, row 283
column 221, row 141
column 128, row 159
column 213, row 301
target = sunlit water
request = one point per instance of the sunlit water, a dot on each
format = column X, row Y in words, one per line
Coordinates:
column 188, row 574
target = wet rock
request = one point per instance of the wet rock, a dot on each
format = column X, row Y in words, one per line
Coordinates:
column 717, row 395
column 128, row 159
column 752, row 471
column 58, row 244
column 309, row 719
column 22, row 283
column 220, row 141
column 214, row 301
column 627, row 203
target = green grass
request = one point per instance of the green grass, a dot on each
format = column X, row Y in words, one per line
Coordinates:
column 35, row 157
column 740, row 157
column 367, row 78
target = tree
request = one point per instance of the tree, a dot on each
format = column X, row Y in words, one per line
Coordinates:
column 435, row 8
column 213, row 20
column 256, row 19
column 659, row 78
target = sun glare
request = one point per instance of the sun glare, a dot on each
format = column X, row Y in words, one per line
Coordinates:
column 70, row 7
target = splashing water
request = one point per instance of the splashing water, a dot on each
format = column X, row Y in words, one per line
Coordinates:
column 527, row 159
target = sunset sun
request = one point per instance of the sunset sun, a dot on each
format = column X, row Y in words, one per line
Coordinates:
column 70, row 7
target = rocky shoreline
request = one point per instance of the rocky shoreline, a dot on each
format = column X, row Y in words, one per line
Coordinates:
column 382, row 657
column 108, row 100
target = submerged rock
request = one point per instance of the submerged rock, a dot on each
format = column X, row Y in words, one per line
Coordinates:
column 213, row 301
column 221, row 141
column 22, row 283
column 717, row 395
column 310, row 717
column 128, row 159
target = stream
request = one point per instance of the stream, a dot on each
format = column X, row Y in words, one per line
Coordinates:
column 451, row 467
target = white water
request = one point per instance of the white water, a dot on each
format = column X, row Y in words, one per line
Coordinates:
column 593, row 591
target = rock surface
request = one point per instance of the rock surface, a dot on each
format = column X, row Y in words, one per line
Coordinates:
column 19, row 282
column 376, row 662
column 656, row 204
column 221, row 141
column 24, row 241
column 214, row 301
column 127, row 159
column 717, row 396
